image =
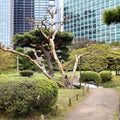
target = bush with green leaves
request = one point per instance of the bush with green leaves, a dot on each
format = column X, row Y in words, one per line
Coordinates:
column 89, row 76
column 105, row 76
column 22, row 97
column 26, row 73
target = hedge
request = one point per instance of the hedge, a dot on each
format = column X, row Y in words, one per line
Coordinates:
column 90, row 76
column 105, row 76
column 21, row 97
column 26, row 73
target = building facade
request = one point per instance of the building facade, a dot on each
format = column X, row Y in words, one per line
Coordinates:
column 40, row 9
column 85, row 20
column 14, row 16
column 23, row 9
column 6, row 21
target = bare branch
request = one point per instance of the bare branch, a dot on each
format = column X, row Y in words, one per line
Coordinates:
column 42, row 32
column 76, row 64
column 43, row 23
column 39, row 65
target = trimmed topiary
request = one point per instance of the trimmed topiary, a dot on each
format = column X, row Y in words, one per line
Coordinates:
column 21, row 97
column 26, row 73
column 90, row 76
column 105, row 76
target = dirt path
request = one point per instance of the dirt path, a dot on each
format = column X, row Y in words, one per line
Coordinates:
column 100, row 105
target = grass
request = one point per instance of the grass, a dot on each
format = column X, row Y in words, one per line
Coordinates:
column 114, row 83
column 117, row 112
column 63, row 102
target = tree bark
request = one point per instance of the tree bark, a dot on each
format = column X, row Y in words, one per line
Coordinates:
column 65, row 77
column 50, row 66
column 48, row 57
column 77, row 58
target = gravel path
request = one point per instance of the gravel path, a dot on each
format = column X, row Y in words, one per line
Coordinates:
column 99, row 105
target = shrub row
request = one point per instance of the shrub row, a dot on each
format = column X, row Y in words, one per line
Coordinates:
column 101, row 77
column 21, row 97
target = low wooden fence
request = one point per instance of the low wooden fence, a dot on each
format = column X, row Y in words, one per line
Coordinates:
column 66, row 103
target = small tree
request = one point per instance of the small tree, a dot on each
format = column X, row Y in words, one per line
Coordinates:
column 111, row 16
column 49, row 36
column 35, row 40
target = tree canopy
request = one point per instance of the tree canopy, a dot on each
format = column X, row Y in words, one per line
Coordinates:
column 98, row 60
column 35, row 40
column 111, row 16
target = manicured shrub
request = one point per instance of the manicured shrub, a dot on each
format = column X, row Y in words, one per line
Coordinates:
column 21, row 97
column 26, row 73
column 90, row 76
column 105, row 76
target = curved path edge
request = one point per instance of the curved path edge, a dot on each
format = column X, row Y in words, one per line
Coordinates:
column 99, row 105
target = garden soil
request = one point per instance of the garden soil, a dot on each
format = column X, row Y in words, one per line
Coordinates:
column 101, row 104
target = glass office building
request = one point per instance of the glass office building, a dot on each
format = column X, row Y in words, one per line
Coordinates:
column 6, row 21
column 40, row 9
column 23, row 9
column 85, row 20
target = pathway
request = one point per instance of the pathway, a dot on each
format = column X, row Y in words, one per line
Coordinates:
column 99, row 105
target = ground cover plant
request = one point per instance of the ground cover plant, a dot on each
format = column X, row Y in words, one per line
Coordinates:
column 20, row 97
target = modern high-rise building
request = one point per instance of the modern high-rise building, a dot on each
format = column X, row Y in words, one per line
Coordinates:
column 60, row 15
column 23, row 9
column 6, row 21
column 14, row 16
column 40, row 9
column 85, row 20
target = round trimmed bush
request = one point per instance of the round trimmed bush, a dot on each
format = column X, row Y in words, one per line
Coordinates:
column 26, row 73
column 105, row 76
column 90, row 76
column 21, row 97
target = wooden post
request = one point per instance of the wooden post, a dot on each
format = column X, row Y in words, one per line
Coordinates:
column 56, row 109
column 88, row 89
column 42, row 117
column 83, row 93
column 70, row 103
column 119, row 108
column 77, row 97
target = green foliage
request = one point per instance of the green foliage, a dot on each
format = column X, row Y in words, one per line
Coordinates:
column 35, row 39
column 105, row 76
column 112, row 16
column 115, row 44
column 97, row 60
column 90, row 76
column 7, row 61
column 22, row 97
column 26, row 73
column 23, row 62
